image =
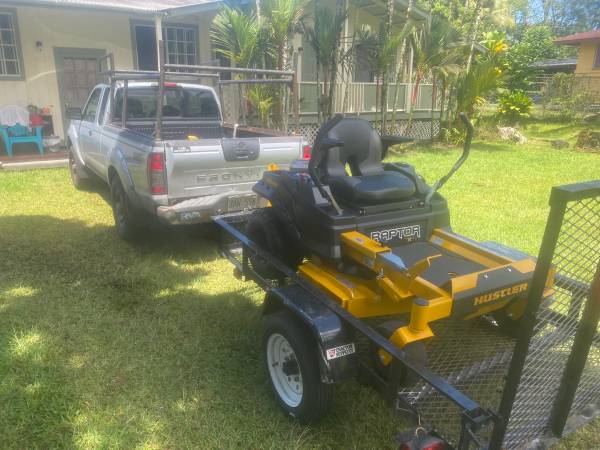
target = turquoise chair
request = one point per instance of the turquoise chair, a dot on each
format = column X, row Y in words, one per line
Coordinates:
column 18, row 134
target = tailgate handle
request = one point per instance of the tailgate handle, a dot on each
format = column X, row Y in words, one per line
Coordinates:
column 241, row 149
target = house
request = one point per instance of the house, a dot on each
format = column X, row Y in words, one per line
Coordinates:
column 587, row 71
column 49, row 50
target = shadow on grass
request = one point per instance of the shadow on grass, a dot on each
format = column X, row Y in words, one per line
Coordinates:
column 106, row 344
column 88, row 323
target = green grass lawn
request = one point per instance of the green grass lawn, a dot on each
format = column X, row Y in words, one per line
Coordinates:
column 105, row 344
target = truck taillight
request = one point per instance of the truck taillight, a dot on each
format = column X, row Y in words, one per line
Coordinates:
column 157, row 173
column 306, row 151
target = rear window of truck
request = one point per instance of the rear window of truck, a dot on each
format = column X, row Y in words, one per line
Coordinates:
column 179, row 103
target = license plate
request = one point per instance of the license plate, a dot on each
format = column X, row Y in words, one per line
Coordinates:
column 242, row 202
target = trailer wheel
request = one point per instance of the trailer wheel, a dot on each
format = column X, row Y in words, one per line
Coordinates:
column 292, row 362
column 266, row 231
column 416, row 350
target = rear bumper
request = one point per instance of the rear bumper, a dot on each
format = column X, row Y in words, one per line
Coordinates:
column 201, row 209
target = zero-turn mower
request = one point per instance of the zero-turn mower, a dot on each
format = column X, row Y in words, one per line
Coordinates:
column 358, row 259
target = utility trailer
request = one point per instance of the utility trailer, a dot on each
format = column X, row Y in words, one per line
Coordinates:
column 481, row 388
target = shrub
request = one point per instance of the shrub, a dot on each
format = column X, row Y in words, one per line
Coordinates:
column 513, row 106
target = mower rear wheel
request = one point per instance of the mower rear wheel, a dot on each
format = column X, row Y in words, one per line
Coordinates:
column 292, row 363
column 268, row 233
column 415, row 350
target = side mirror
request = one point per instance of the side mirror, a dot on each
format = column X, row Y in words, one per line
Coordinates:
column 74, row 113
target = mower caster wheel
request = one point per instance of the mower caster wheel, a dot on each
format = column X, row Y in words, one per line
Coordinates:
column 291, row 358
column 415, row 350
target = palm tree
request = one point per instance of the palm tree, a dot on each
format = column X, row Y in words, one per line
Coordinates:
column 325, row 37
column 437, row 55
column 282, row 18
column 485, row 76
column 236, row 36
column 381, row 55
column 387, row 33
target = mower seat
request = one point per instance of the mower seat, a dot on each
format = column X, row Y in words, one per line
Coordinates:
column 368, row 183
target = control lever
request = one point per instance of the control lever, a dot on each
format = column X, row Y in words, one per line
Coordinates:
column 465, row 154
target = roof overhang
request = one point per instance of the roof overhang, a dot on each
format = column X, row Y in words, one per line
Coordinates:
column 578, row 38
column 206, row 5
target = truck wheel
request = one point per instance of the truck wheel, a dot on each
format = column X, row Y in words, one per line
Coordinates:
column 415, row 350
column 266, row 231
column 79, row 174
column 292, row 362
column 126, row 218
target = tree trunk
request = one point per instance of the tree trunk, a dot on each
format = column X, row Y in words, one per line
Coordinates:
column 400, row 68
column 384, row 80
column 413, row 101
column 443, row 101
column 475, row 32
column 433, row 98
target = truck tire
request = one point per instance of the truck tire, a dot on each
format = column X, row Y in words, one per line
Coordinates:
column 291, row 358
column 127, row 220
column 268, row 233
column 80, row 177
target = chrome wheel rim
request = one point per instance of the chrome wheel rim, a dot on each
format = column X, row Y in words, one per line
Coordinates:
column 284, row 370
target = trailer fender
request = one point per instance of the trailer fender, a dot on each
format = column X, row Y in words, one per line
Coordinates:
column 337, row 348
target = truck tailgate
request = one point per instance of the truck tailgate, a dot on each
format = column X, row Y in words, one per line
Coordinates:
column 215, row 166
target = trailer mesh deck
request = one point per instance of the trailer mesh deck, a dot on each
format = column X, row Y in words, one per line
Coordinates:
column 475, row 356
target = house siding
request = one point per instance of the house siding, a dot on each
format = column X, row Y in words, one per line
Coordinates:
column 80, row 29
column 585, row 61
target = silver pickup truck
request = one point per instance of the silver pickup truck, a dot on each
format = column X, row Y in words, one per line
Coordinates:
column 199, row 167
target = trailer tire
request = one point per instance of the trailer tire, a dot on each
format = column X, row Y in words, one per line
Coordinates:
column 291, row 358
column 267, row 232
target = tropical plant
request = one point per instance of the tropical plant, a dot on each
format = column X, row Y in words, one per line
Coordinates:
column 381, row 54
column 486, row 76
column 324, row 35
column 438, row 53
column 513, row 106
column 281, row 19
column 236, row 35
column 262, row 100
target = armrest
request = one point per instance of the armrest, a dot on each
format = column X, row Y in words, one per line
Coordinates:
column 389, row 139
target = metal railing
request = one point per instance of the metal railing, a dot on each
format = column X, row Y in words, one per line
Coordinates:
column 358, row 98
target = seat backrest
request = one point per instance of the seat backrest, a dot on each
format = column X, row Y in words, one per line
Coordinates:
column 362, row 150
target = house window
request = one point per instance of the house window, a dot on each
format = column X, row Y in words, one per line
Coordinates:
column 10, row 66
column 181, row 45
column 597, row 58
